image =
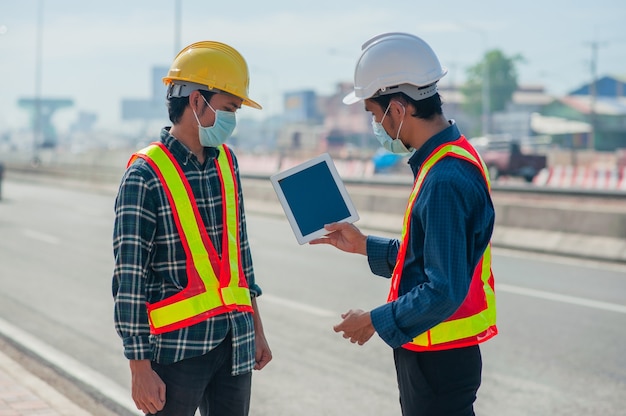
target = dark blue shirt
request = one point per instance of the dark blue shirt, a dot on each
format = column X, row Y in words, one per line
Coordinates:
column 451, row 225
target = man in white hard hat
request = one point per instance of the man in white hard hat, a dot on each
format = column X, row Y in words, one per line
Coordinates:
column 441, row 304
column 183, row 284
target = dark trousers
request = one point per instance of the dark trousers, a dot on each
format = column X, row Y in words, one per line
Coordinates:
column 438, row 383
column 205, row 382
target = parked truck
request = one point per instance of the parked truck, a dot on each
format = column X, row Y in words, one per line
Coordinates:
column 506, row 158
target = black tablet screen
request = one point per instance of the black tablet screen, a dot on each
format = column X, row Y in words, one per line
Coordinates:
column 314, row 198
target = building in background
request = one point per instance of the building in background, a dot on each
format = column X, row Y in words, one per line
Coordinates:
column 601, row 106
column 300, row 131
column 151, row 109
column 41, row 111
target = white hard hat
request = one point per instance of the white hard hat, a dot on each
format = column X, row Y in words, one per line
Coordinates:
column 396, row 62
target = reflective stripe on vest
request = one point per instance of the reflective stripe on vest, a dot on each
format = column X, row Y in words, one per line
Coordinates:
column 475, row 320
column 214, row 285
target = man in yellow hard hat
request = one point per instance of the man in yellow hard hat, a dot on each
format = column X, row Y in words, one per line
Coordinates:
column 183, row 284
column 441, row 304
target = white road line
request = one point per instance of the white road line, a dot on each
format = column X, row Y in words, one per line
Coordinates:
column 313, row 310
column 500, row 287
column 46, row 238
column 560, row 259
column 596, row 304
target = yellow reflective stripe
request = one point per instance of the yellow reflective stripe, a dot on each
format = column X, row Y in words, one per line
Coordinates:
column 469, row 326
column 424, row 171
column 236, row 296
column 228, row 177
column 490, row 294
column 195, row 305
column 213, row 297
column 459, row 328
column 184, row 309
column 472, row 325
column 182, row 203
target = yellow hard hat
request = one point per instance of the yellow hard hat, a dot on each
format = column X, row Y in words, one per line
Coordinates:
column 209, row 66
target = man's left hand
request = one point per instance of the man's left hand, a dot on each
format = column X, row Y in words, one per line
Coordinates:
column 263, row 354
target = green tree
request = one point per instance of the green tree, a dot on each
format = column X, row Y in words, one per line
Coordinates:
column 501, row 83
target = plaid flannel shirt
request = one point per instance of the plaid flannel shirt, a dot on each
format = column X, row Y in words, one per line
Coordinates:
column 150, row 262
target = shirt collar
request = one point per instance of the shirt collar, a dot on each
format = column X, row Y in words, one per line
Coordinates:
column 181, row 152
column 449, row 134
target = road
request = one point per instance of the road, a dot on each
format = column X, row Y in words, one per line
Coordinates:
column 562, row 321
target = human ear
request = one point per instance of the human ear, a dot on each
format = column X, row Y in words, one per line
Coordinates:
column 398, row 108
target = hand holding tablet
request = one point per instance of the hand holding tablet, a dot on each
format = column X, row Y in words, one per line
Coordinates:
column 312, row 195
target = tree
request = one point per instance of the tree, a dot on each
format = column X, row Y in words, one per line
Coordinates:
column 501, row 83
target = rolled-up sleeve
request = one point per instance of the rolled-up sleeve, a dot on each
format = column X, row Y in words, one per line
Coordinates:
column 381, row 255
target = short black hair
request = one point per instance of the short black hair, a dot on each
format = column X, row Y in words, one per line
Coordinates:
column 425, row 109
column 176, row 105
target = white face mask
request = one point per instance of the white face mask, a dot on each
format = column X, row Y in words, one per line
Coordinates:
column 393, row 145
column 220, row 131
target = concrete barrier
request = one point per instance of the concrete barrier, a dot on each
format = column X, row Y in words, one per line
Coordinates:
column 593, row 228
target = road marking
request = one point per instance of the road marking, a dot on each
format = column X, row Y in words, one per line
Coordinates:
column 46, row 238
column 596, row 304
column 573, row 300
column 313, row 310
column 561, row 259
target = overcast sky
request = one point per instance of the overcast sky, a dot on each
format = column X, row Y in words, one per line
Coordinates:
column 98, row 52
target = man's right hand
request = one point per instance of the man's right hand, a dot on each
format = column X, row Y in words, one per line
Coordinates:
column 147, row 387
column 346, row 237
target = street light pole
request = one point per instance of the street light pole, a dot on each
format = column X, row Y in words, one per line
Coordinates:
column 486, row 88
column 486, row 99
column 38, row 74
column 177, row 17
column 593, row 95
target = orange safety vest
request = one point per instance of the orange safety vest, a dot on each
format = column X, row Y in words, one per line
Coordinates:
column 214, row 286
column 475, row 320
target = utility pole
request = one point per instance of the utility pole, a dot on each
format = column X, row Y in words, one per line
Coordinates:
column 593, row 93
column 177, row 17
column 485, row 88
column 37, row 130
column 486, row 116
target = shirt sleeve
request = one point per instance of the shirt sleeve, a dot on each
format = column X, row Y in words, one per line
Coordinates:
column 133, row 236
column 447, row 215
column 381, row 255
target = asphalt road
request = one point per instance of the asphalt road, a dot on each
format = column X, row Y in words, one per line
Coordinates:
column 562, row 321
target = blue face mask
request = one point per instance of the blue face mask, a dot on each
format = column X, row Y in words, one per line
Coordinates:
column 220, row 131
column 394, row 146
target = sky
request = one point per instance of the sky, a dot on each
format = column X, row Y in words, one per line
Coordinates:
column 99, row 52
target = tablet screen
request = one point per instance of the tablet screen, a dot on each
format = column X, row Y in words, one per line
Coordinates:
column 312, row 195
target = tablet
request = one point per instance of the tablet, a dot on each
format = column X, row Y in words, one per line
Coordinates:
column 312, row 194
